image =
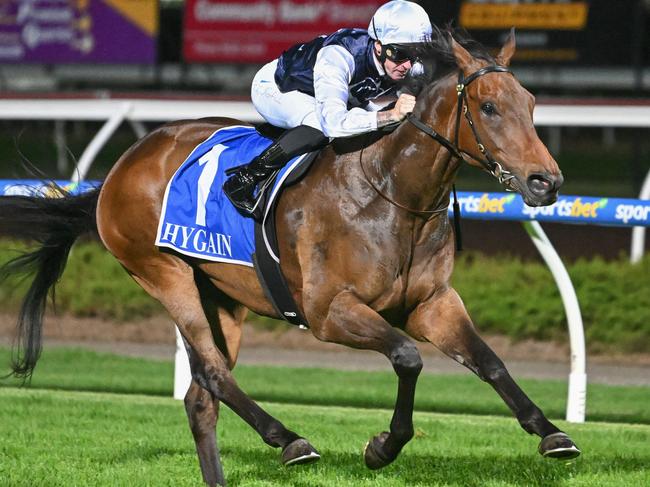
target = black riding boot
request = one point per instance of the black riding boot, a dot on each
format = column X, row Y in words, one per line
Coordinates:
column 240, row 187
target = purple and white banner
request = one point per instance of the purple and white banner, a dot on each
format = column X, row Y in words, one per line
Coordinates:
column 78, row 31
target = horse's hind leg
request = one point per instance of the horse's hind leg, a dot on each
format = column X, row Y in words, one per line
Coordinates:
column 203, row 412
column 201, row 406
column 444, row 322
column 171, row 281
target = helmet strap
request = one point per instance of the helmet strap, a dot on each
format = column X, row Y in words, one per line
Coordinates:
column 382, row 55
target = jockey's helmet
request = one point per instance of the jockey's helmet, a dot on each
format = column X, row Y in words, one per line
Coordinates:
column 400, row 22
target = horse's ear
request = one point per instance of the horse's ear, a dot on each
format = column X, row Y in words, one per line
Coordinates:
column 464, row 59
column 508, row 50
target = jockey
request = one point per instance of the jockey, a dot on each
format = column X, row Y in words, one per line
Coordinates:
column 332, row 86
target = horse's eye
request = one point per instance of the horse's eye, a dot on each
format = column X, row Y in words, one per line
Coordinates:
column 488, row 108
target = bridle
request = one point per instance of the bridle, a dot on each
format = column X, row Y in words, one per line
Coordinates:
column 489, row 163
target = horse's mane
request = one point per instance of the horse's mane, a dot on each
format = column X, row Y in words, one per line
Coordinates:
column 437, row 56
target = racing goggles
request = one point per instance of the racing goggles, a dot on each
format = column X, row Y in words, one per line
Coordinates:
column 399, row 53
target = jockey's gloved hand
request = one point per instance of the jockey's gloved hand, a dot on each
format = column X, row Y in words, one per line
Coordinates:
column 404, row 105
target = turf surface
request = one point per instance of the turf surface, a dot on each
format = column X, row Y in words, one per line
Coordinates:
column 75, row 369
column 63, row 438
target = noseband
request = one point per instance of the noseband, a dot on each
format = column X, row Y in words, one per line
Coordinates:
column 490, row 164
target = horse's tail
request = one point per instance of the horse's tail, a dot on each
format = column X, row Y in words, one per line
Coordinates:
column 55, row 223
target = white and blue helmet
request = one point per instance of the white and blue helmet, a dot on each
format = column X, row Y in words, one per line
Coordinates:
column 400, row 22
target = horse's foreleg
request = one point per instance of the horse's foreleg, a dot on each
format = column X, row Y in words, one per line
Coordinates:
column 351, row 322
column 444, row 322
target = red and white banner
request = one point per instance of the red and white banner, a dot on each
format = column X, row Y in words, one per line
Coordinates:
column 259, row 30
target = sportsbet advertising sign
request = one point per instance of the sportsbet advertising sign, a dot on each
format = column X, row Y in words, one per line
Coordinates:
column 568, row 209
column 78, row 31
column 480, row 206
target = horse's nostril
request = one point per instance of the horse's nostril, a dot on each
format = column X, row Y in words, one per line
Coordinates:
column 539, row 185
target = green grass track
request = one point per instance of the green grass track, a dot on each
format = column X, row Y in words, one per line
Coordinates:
column 83, row 370
column 66, row 438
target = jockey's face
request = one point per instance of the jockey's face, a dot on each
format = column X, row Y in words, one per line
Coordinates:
column 396, row 70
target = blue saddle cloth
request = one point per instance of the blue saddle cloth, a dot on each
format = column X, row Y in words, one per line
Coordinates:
column 197, row 219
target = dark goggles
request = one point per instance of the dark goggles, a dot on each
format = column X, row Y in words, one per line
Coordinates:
column 399, row 53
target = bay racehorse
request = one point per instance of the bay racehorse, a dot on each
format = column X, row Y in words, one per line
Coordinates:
column 365, row 244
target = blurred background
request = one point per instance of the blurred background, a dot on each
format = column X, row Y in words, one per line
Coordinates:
column 570, row 53
column 197, row 57
column 185, row 59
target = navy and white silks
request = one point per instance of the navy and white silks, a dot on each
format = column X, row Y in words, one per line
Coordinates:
column 333, row 83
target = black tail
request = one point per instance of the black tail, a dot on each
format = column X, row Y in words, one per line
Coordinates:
column 55, row 223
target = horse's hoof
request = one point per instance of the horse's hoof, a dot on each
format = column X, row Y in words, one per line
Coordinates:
column 299, row 452
column 558, row 445
column 373, row 452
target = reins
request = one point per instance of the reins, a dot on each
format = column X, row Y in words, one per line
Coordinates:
column 489, row 163
column 431, row 213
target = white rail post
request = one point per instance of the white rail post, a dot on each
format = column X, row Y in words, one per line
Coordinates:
column 577, row 396
column 182, row 374
column 99, row 141
column 61, row 146
column 138, row 127
column 638, row 233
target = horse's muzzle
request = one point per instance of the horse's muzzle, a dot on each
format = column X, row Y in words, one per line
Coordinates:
column 543, row 188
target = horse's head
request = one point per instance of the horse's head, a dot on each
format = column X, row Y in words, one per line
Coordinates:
column 493, row 124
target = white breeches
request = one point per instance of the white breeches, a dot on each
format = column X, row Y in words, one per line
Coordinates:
column 286, row 110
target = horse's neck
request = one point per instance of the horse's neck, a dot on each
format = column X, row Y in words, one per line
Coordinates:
column 417, row 170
